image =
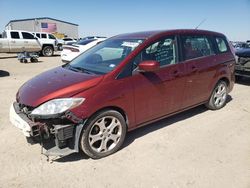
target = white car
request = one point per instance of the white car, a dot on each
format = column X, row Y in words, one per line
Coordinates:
column 68, row 40
column 71, row 51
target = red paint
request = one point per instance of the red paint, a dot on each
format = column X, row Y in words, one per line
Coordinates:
column 144, row 96
column 149, row 66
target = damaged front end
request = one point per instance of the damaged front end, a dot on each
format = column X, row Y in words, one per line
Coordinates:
column 242, row 67
column 58, row 133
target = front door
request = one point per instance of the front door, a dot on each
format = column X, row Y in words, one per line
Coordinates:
column 160, row 92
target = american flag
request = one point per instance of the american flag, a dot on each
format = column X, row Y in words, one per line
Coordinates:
column 48, row 27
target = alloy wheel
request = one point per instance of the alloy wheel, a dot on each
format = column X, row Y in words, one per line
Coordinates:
column 105, row 134
column 220, row 95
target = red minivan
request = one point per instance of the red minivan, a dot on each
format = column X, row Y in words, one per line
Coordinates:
column 121, row 84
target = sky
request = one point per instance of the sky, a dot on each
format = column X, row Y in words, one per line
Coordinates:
column 111, row 17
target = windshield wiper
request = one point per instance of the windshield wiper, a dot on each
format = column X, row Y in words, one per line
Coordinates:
column 80, row 69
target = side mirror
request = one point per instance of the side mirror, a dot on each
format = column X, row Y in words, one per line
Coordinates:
column 149, row 66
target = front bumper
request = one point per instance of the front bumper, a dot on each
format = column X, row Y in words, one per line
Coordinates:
column 57, row 139
column 22, row 122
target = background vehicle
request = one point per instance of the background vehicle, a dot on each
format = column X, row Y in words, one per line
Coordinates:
column 60, row 43
column 242, row 68
column 121, row 84
column 71, row 51
column 92, row 37
column 68, row 40
column 48, row 42
column 16, row 41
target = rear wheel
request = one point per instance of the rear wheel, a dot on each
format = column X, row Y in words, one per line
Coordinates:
column 218, row 97
column 104, row 134
column 47, row 51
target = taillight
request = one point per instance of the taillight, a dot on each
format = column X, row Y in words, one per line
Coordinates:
column 71, row 49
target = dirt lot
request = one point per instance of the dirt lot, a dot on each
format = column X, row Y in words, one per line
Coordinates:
column 197, row 148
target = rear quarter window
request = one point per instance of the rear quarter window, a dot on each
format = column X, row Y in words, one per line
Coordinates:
column 221, row 44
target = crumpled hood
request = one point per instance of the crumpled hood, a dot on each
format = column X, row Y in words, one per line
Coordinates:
column 55, row 83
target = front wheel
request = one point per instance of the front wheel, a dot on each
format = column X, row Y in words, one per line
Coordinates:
column 104, row 134
column 219, row 96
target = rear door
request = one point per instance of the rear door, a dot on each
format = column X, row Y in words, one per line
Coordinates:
column 200, row 65
column 16, row 42
column 158, row 93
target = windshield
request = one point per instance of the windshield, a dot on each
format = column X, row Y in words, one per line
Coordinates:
column 105, row 56
column 51, row 36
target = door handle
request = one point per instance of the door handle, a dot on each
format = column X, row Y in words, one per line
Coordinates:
column 194, row 68
column 25, row 41
column 13, row 41
column 176, row 73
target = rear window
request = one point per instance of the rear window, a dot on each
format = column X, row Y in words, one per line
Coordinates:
column 27, row 35
column 43, row 36
column 196, row 46
column 14, row 35
column 221, row 44
column 84, row 42
column 67, row 39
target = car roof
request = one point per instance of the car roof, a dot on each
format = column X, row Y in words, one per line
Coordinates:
column 9, row 30
column 149, row 34
column 41, row 32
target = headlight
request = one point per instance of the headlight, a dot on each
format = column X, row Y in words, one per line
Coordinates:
column 57, row 106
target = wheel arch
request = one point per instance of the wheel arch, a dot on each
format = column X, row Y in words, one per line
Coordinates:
column 225, row 79
column 44, row 45
column 213, row 84
column 116, row 108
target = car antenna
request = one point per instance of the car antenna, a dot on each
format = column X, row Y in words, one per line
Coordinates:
column 200, row 23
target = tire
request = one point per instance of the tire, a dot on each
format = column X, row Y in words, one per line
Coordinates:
column 103, row 134
column 32, row 60
column 47, row 51
column 218, row 98
column 59, row 47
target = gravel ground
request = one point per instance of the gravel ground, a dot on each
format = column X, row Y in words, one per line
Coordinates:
column 197, row 148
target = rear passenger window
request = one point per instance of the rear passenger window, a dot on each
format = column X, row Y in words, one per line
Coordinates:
column 221, row 43
column 196, row 46
column 14, row 35
column 44, row 36
column 163, row 51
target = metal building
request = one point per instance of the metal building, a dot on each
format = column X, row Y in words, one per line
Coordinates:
column 45, row 24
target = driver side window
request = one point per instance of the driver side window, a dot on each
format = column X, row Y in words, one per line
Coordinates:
column 163, row 51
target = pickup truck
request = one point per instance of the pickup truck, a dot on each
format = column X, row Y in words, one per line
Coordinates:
column 16, row 41
column 48, row 41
